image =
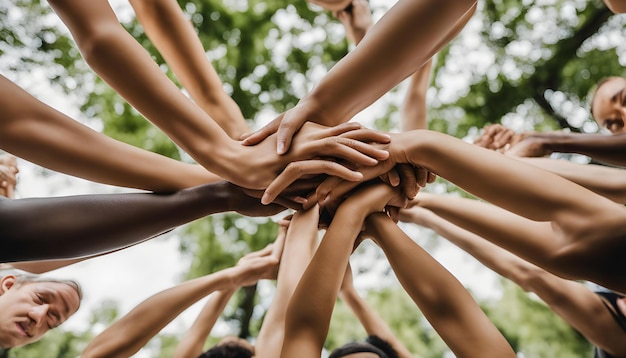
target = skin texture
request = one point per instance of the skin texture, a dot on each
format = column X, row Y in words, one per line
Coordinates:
column 344, row 91
column 29, row 310
column 128, row 69
column 309, row 311
column 8, row 175
column 608, row 109
column 586, row 229
column 131, row 332
column 571, row 300
column 174, row 36
column 110, row 221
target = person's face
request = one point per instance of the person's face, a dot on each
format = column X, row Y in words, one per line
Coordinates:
column 609, row 105
column 28, row 310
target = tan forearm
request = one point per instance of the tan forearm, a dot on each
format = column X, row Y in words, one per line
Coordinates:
column 129, row 69
column 175, row 38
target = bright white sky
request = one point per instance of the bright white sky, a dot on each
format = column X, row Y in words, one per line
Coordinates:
column 132, row 275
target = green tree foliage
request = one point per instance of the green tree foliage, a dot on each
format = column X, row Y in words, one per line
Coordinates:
column 526, row 63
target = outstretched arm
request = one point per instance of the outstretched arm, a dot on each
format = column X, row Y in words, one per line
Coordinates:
column 119, row 59
column 300, row 244
column 344, row 91
column 606, row 181
column 38, row 133
column 442, row 299
column 85, row 225
column 606, row 148
column 311, row 306
column 373, row 323
column 571, row 300
column 192, row 343
column 126, row 336
column 174, row 36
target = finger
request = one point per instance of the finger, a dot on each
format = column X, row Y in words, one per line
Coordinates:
column 421, row 174
column 286, row 130
column 295, row 170
column 368, row 135
column 259, row 135
column 348, row 149
column 324, row 189
column 392, row 177
column 408, row 180
column 394, row 213
column 341, row 129
column 431, row 177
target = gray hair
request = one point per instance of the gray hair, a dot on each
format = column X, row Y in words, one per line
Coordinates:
column 23, row 277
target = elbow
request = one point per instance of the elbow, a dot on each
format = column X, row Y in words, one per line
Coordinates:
column 529, row 277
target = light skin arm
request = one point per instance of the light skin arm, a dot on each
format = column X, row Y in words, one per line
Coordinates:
column 127, row 335
column 587, row 228
column 344, row 91
column 310, row 308
column 442, row 299
column 119, row 59
column 606, row 181
column 106, row 222
column 174, row 36
column 300, row 244
column 414, row 114
column 192, row 343
column 38, row 133
column 373, row 323
column 571, row 300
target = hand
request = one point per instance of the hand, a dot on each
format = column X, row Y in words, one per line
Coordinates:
column 286, row 126
column 257, row 265
column 373, row 197
column 495, row 137
column 8, row 178
column 315, row 141
column 357, row 20
column 528, row 145
column 409, row 178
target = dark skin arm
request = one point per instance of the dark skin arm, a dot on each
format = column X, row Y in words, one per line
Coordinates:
column 84, row 225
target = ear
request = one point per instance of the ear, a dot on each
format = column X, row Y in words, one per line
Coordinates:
column 6, row 283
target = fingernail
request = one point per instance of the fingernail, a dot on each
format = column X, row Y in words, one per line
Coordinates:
column 280, row 148
column 265, row 199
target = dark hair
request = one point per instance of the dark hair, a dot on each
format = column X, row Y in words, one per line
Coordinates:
column 383, row 345
column 227, row 350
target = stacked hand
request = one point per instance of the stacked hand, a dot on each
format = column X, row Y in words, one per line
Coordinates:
column 8, row 172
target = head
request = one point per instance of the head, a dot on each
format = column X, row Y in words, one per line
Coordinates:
column 373, row 347
column 31, row 305
column 230, row 347
column 608, row 104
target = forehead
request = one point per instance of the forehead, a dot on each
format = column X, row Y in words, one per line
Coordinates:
column 608, row 90
column 56, row 293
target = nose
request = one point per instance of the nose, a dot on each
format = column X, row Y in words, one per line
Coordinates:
column 38, row 314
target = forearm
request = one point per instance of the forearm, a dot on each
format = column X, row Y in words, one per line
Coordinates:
column 126, row 336
column 128, row 68
column 607, row 148
column 400, row 32
column 309, row 311
column 606, row 181
column 193, row 341
column 414, row 113
column 174, row 36
column 491, row 176
column 442, row 299
column 77, row 226
column 38, row 133
column 494, row 257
